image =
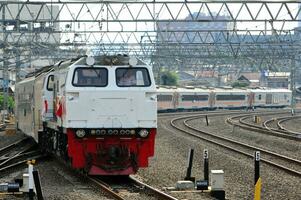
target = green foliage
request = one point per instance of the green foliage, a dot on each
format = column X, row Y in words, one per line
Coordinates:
column 169, row 78
column 11, row 102
column 238, row 84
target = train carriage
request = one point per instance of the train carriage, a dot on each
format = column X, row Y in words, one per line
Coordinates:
column 193, row 99
column 181, row 99
column 25, row 105
column 272, row 97
column 231, row 98
column 167, row 99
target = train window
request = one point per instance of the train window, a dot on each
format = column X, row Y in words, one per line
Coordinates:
column 132, row 77
column 164, row 97
column 57, row 86
column 259, row 97
column 194, row 97
column 50, row 83
column 90, row 77
column 225, row 97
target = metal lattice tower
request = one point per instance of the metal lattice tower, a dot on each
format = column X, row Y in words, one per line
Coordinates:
column 257, row 33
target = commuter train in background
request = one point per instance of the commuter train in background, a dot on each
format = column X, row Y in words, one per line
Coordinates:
column 180, row 99
column 86, row 112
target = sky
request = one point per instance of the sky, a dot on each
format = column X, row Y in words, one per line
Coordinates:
column 166, row 13
column 162, row 12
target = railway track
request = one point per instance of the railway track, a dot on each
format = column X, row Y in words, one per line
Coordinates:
column 279, row 128
column 241, row 121
column 17, row 154
column 217, row 112
column 128, row 187
column 290, row 165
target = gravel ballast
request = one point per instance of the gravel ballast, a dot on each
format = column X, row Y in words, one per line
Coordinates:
column 170, row 162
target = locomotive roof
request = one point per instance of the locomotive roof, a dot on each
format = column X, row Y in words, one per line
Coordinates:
column 81, row 60
column 109, row 60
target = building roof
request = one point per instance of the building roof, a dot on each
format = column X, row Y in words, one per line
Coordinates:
column 185, row 75
column 207, row 74
column 250, row 76
column 279, row 74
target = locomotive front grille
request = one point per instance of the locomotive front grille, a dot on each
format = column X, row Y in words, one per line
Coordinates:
column 105, row 132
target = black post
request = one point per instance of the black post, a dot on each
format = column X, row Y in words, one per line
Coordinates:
column 190, row 160
column 207, row 122
column 30, row 194
column 37, row 183
column 257, row 165
column 206, row 165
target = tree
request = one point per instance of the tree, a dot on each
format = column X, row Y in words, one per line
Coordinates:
column 169, row 78
column 238, row 84
column 11, row 102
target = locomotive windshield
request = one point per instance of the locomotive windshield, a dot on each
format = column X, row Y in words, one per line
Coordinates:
column 132, row 77
column 90, row 77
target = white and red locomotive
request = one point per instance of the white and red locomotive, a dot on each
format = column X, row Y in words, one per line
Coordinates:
column 87, row 112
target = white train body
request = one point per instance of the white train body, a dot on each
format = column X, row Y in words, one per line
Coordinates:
column 209, row 99
column 272, row 97
column 109, row 106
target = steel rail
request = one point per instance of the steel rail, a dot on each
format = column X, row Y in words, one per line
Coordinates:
column 281, row 129
column 252, row 127
column 130, row 180
column 12, row 145
column 19, row 163
column 9, row 160
column 18, row 154
column 286, row 119
column 104, row 187
column 169, row 114
column 211, row 113
column 157, row 192
column 189, row 118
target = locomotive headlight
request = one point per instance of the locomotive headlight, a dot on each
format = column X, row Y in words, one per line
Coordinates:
column 80, row 133
column 143, row 133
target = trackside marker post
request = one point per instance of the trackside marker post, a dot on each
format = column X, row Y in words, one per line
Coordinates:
column 188, row 172
column 257, row 176
column 206, row 165
column 30, row 183
column 203, row 184
column 207, row 122
column 37, row 183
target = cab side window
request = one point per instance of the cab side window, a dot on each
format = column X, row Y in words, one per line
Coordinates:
column 50, row 83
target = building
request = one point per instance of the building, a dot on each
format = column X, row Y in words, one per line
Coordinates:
column 250, row 78
column 199, row 78
column 277, row 79
column 173, row 31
